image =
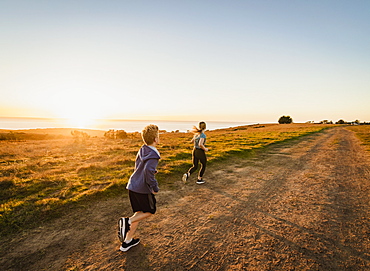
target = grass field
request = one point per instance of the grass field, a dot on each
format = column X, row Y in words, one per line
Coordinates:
column 363, row 133
column 42, row 179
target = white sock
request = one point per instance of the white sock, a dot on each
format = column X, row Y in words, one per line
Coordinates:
column 128, row 241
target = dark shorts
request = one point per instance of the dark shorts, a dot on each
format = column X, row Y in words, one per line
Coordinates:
column 145, row 203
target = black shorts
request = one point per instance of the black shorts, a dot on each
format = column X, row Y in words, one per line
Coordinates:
column 145, row 203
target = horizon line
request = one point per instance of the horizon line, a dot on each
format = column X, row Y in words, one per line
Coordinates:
column 121, row 119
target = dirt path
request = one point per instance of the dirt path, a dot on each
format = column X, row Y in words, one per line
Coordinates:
column 296, row 206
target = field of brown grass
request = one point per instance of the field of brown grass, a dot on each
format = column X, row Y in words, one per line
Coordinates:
column 42, row 179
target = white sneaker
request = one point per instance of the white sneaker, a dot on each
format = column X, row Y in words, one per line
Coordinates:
column 185, row 177
column 124, row 247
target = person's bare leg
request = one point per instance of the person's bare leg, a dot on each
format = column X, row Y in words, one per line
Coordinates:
column 138, row 216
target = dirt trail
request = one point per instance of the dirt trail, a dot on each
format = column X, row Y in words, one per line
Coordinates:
column 296, row 206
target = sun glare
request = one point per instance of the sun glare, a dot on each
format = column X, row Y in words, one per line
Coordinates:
column 77, row 117
column 79, row 122
column 78, row 109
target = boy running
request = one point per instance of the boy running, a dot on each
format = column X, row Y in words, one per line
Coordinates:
column 141, row 186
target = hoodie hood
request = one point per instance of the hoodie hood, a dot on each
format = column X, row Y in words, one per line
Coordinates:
column 146, row 153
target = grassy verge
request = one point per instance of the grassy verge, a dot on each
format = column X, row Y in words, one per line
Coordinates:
column 363, row 133
column 43, row 179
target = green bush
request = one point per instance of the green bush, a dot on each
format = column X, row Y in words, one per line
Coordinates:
column 285, row 120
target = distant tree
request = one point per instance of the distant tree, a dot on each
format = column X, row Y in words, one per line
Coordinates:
column 340, row 122
column 326, row 122
column 285, row 120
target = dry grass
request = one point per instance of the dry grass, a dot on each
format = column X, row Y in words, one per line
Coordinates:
column 41, row 179
column 363, row 133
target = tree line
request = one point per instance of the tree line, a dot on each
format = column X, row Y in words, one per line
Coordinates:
column 288, row 119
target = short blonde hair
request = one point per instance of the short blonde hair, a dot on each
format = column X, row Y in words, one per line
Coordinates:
column 149, row 134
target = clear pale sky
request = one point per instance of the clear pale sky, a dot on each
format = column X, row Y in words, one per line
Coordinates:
column 235, row 60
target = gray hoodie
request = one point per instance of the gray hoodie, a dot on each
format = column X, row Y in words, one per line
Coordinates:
column 143, row 179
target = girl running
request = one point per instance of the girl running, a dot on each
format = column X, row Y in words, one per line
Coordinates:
column 199, row 153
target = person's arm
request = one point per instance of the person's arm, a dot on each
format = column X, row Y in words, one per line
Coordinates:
column 150, row 171
column 201, row 144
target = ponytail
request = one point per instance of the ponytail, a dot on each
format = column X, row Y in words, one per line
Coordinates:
column 201, row 127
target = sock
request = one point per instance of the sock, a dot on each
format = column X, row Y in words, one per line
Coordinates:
column 128, row 241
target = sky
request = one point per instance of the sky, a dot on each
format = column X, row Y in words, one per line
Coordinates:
column 231, row 60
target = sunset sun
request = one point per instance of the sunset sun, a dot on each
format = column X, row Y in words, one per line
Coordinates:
column 79, row 121
column 77, row 110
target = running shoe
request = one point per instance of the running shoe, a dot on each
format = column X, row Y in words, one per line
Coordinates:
column 200, row 181
column 124, row 247
column 185, row 177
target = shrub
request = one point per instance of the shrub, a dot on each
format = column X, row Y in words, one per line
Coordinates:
column 111, row 134
column 119, row 134
column 77, row 135
column 285, row 120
